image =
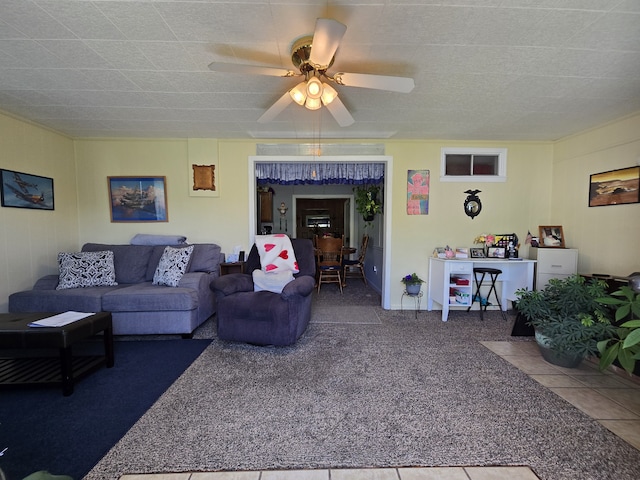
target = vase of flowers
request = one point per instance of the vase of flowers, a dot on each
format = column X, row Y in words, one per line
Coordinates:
column 486, row 240
column 412, row 283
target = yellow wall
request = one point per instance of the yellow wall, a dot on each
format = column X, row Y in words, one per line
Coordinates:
column 547, row 184
column 221, row 220
column 520, row 204
column 31, row 239
column 608, row 236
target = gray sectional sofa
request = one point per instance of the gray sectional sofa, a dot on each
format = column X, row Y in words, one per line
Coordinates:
column 137, row 306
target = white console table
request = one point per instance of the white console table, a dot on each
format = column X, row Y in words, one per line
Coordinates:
column 456, row 275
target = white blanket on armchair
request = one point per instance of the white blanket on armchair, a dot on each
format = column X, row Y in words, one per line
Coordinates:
column 278, row 263
column 276, row 253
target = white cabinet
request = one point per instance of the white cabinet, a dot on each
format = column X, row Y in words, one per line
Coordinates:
column 451, row 282
column 460, row 284
column 553, row 263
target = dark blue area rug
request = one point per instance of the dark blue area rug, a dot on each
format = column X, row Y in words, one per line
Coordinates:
column 43, row 430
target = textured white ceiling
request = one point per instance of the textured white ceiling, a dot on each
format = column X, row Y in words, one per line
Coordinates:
column 484, row 69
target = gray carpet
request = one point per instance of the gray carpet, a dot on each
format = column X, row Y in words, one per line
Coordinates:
column 406, row 392
column 343, row 314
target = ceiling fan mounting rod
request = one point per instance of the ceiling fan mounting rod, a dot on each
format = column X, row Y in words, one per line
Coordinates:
column 300, row 57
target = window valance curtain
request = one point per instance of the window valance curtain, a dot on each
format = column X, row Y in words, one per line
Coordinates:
column 315, row 173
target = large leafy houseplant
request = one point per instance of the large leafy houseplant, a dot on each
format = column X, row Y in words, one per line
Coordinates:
column 567, row 312
column 625, row 346
column 367, row 203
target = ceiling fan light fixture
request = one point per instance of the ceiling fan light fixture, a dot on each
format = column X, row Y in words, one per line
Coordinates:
column 299, row 93
column 313, row 103
column 312, row 56
column 329, row 94
column 314, row 88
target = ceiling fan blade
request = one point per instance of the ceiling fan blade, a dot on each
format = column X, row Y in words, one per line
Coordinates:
column 340, row 113
column 251, row 69
column 275, row 109
column 326, row 39
column 378, row 82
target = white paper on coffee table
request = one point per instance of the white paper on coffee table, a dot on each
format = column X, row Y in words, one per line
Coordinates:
column 60, row 320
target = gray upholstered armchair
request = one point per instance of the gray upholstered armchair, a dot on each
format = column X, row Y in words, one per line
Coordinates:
column 266, row 318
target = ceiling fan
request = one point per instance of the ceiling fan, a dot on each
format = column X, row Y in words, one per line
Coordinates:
column 313, row 56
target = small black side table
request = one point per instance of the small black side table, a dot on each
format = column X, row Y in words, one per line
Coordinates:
column 231, row 267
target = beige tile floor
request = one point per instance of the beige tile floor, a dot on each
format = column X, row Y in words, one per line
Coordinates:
column 612, row 398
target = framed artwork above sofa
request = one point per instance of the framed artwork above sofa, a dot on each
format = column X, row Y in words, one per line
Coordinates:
column 138, row 199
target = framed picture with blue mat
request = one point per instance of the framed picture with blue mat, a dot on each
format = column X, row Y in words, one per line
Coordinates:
column 138, row 199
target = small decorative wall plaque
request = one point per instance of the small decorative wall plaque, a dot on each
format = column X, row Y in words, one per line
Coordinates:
column 204, row 177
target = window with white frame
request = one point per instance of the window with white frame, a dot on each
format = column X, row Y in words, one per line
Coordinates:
column 476, row 164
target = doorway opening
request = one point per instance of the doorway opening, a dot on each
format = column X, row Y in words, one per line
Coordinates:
column 382, row 247
column 323, row 215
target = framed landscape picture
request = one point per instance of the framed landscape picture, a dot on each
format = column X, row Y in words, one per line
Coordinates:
column 138, row 199
column 23, row 190
column 615, row 187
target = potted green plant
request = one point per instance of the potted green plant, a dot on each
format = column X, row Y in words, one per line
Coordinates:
column 367, row 203
column 625, row 345
column 568, row 319
column 412, row 283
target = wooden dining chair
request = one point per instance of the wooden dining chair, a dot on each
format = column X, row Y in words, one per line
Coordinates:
column 329, row 260
column 355, row 268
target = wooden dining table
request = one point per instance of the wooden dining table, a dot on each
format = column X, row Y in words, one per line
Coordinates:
column 348, row 251
column 345, row 251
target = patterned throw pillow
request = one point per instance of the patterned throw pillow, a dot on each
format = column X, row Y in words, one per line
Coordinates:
column 172, row 265
column 86, row 269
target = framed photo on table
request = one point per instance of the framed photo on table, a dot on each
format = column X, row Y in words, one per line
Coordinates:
column 477, row 253
column 138, row 199
column 551, row 236
column 496, row 252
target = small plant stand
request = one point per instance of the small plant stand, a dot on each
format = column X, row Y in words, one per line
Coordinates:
column 417, row 298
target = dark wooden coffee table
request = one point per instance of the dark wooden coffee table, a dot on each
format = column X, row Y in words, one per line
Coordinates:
column 16, row 334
